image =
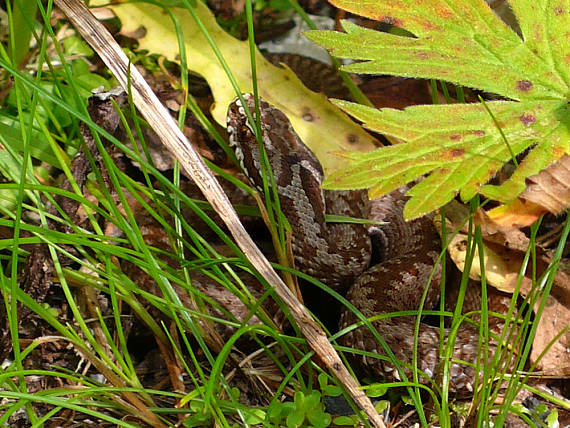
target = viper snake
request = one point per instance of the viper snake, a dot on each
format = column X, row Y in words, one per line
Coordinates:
column 339, row 255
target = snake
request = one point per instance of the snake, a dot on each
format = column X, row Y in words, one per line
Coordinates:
column 340, row 255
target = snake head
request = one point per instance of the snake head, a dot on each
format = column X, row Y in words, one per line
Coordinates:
column 242, row 137
column 282, row 145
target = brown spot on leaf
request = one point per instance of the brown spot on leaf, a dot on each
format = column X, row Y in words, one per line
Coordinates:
column 390, row 20
column 455, row 137
column 558, row 10
column 308, row 117
column 430, row 26
column 422, row 55
column 462, row 245
column 352, row 139
column 451, row 155
column 524, row 85
column 445, row 13
column 558, row 152
column 308, row 114
column 527, row 119
column 479, row 133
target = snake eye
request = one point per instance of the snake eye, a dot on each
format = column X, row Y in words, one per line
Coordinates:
column 246, row 132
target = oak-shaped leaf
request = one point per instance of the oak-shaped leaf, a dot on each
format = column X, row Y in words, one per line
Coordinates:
column 460, row 146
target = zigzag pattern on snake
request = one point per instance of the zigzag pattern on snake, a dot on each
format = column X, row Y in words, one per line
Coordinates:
column 339, row 254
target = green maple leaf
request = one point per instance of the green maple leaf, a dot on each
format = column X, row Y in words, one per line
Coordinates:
column 460, row 145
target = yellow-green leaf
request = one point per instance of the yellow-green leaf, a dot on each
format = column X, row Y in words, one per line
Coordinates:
column 459, row 146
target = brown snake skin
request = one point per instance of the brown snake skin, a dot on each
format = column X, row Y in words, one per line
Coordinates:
column 339, row 254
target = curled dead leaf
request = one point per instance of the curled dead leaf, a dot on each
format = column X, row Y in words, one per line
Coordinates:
column 516, row 213
column 550, row 188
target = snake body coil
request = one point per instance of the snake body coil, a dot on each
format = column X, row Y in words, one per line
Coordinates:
column 339, row 254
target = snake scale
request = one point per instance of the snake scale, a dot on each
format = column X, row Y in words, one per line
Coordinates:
column 339, row 254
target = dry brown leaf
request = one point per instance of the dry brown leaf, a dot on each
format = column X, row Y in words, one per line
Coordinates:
column 547, row 191
column 516, row 213
column 506, row 235
column 555, row 318
column 550, row 188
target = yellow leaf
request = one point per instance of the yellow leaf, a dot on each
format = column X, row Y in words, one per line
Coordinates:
column 322, row 126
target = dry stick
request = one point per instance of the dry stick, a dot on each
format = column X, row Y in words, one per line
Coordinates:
column 171, row 136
